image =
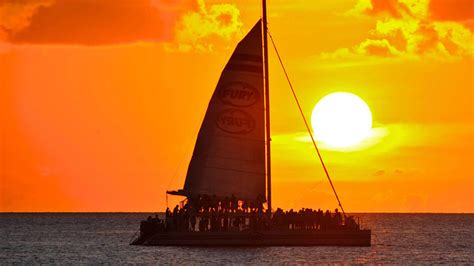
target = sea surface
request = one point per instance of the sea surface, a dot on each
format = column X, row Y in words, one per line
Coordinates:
column 104, row 238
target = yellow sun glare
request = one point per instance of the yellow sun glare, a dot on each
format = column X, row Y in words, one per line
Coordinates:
column 341, row 120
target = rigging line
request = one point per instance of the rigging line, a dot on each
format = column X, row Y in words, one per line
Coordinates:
column 306, row 124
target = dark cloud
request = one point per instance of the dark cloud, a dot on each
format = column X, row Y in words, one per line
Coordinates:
column 398, row 171
column 453, row 10
column 91, row 22
column 440, row 10
column 379, row 173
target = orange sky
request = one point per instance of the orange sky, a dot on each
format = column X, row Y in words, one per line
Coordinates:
column 101, row 103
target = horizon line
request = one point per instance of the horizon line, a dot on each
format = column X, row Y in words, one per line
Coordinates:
column 138, row 212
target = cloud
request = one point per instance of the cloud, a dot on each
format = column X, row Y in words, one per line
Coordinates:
column 89, row 22
column 385, row 139
column 412, row 29
column 197, row 30
column 16, row 15
column 379, row 173
column 380, row 47
column 453, row 10
column 398, row 172
column 377, row 134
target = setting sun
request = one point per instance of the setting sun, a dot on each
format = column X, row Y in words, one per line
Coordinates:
column 341, row 120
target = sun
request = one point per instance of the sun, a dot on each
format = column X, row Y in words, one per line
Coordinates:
column 341, row 120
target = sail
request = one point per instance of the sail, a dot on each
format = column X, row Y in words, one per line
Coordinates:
column 229, row 155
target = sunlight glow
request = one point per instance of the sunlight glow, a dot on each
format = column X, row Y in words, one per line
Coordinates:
column 341, row 120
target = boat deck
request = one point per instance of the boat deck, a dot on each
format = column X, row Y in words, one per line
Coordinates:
column 297, row 237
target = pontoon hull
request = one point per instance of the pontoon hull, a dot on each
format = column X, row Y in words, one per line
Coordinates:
column 259, row 238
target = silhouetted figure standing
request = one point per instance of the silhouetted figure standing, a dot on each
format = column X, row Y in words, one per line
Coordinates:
column 337, row 218
column 193, row 222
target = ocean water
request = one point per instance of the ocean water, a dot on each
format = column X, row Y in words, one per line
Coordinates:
column 104, row 238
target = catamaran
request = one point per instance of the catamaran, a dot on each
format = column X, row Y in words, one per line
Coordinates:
column 229, row 175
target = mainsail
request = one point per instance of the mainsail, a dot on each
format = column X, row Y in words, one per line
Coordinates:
column 229, row 155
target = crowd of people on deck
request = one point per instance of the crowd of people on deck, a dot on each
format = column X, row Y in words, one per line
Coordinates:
column 209, row 213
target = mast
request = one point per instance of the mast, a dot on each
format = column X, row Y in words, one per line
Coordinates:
column 267, row 106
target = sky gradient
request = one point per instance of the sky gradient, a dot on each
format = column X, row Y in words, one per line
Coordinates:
column 100, row 104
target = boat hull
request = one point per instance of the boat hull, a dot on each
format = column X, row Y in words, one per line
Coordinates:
column 259, row 238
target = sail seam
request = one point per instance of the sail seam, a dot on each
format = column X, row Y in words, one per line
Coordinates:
column 234, row 170
column 247, row 57
column 235, row 137
column 244, row 68
column 229, row 158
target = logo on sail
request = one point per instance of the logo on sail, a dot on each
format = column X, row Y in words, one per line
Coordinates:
column 239, row 94
column 235, row 121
